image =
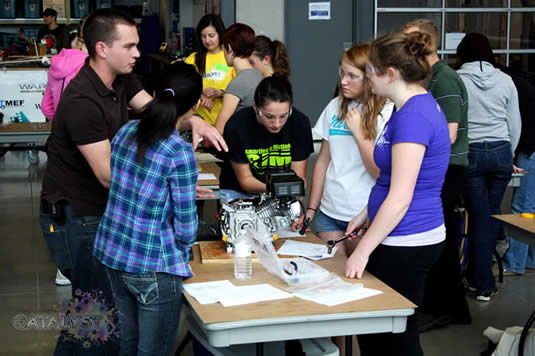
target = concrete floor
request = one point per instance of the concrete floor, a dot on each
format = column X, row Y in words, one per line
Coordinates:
column 27, row 278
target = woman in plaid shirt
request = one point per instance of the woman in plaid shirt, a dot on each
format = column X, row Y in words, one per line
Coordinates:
column 150, row 221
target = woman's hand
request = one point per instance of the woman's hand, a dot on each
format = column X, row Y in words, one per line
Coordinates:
column 207, row 102
column 356, row 264
column 518, row 170
column 309, row 214
column 359, row 223
column 353, row 120
column 212, row 93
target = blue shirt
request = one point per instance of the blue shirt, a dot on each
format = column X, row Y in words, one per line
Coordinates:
column 151, row 217
column 420, row 120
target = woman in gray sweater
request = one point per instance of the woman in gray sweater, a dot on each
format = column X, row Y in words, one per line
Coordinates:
column 493, row 133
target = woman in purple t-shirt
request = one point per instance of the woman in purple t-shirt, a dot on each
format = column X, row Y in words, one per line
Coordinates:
column 404, row 214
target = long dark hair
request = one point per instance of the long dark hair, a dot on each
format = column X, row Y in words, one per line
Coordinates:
column 178, row 90
column 475, row 47
column 207, row 20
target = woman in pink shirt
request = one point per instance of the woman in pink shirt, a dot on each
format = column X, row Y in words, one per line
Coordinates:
column 63, row 67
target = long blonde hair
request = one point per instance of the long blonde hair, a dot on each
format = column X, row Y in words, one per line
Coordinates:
column 357, row 56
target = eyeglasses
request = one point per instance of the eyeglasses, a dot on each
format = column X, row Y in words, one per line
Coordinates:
column 270, row 116
column 350, row 76
column 370, row 70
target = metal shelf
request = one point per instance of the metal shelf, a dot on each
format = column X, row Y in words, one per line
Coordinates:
column 39, row 21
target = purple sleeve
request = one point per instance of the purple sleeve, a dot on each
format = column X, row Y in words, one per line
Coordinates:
column 412, row 127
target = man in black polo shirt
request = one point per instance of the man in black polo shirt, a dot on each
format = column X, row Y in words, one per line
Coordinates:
column 270, row 135
column 92, row 109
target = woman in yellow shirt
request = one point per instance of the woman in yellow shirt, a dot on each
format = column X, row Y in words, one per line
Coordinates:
column 210, row 63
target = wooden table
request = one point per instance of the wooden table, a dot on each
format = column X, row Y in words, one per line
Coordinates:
column 35, row 132
column 27, row 136
column 292, row 318
column 523, row 230
column 517, row 227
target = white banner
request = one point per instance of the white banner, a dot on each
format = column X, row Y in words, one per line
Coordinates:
column 21, row 92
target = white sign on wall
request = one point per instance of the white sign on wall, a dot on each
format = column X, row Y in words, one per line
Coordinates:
column 21, row 93
column 453, row 39
column 319, row 10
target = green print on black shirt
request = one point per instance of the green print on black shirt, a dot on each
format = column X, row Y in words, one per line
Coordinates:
column 276, row 156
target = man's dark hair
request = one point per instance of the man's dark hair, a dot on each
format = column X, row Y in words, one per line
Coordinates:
column 101, row 27
column 50, row 12
column 276, row 88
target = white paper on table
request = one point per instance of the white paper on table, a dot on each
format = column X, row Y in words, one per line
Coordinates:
column 252, row 294
column 305, row 249
column 207, row 176
column 287, row 232
column 208, row 292
column 335, row 292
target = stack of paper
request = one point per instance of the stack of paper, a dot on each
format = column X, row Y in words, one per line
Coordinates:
column 229, row 295
column 334, row 292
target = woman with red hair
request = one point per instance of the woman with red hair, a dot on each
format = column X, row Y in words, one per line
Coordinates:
column 238, row 45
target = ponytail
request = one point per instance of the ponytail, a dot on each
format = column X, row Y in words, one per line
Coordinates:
column 404, row 51
column 280, row 61
column 180, row 89
column 276, row 51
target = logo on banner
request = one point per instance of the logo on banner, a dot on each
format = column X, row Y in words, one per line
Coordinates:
column 19, row 117
column 11, row 103
column 32, row 87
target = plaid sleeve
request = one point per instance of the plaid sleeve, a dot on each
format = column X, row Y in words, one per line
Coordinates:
column 183, row 184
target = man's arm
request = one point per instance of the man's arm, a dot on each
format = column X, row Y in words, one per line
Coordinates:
column 453, row 127
column 98, row 155
column 201, row 128
column 140, row 101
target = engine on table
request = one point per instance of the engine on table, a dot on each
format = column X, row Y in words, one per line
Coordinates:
column 270, row 212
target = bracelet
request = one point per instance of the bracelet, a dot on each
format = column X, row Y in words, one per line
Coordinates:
column 314, row 210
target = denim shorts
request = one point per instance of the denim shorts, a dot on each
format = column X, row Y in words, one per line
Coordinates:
column 325, row 223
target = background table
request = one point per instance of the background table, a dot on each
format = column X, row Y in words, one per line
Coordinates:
column 517, row 227
column 292, row 318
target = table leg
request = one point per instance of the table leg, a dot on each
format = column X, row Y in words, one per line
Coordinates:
column 349, row 345
column 259, row 349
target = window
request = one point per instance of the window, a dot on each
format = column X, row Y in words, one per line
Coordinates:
column 509, row 25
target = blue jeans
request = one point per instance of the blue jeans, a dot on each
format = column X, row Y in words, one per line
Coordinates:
column 149, row 307
column 519, row 256
column 72, row 247
column 325, row 223
column 486, row 178
column 55, row 237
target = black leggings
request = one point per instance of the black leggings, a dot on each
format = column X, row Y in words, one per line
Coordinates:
column 404, row 269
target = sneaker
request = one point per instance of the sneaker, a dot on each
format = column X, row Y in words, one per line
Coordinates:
column 61, row 280
column 507, row 273
column 485, row 297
